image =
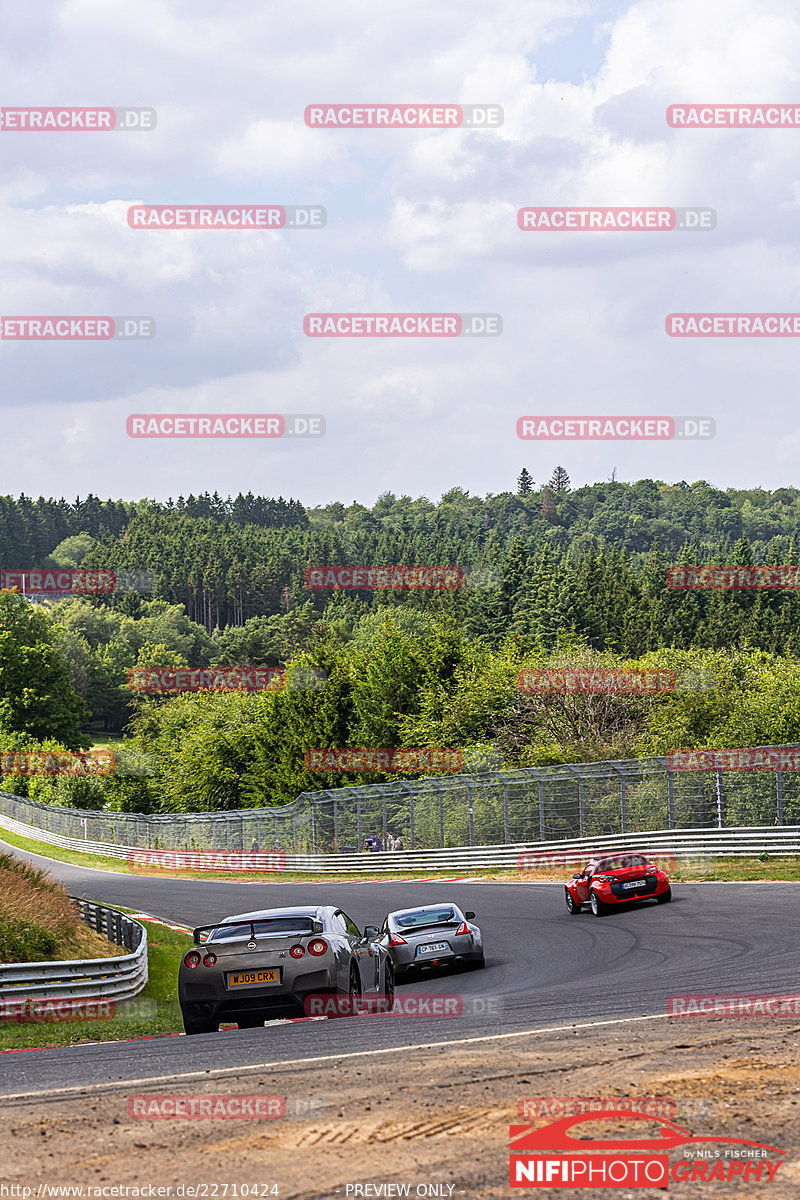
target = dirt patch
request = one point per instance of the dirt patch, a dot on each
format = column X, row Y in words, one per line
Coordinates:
column 429, row 1118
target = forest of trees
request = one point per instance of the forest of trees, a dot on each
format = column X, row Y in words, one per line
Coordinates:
column 554, row 576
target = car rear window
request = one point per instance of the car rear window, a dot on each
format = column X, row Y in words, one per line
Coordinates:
column 434, row 916
column 271, row 925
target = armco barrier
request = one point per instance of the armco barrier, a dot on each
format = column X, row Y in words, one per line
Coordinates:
column 119, row 978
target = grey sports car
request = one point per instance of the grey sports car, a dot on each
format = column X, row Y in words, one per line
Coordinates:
column 257, row 966
column 432, row 936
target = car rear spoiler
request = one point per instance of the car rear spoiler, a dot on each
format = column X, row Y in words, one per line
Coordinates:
column 200, row 934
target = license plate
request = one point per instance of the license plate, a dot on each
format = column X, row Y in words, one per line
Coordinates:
column 636, row 883
column 249, row 978
column 434, row 948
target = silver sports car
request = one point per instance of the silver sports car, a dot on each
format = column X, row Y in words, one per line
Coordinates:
column 432, row 936
column 256, row 966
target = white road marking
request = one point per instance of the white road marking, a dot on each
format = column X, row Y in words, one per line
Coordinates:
column 93, row 1088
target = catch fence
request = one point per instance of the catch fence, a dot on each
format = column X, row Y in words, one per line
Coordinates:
column 524, row 806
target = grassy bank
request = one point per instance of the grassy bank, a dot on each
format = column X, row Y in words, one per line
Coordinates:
column 153, row 1013
column 39, row 922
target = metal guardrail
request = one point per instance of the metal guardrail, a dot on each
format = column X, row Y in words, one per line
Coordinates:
column 118, row 978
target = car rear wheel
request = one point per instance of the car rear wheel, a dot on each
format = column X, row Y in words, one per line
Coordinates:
column 573, row 907
column 349, row 1002
column 200, row 1026
column 478, row 963
column 665, row 899
column 598, row 907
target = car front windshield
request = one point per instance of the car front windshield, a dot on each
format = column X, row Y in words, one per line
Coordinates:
column 268, row 927
column 416, row 920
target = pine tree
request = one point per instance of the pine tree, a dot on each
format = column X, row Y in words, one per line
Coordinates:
column 524, row 482
column 559, row 482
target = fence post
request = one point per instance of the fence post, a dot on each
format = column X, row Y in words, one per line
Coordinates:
column 471, row 814
column 335, row 822
column 581, row 805
column 358, row 822
column 411, row 812
column 277, row 838
column 313, row 828
column 779, row 795
column 441, row 812
column 506, row 837
column 383, row 813
column 720, row 802
column 623, row 798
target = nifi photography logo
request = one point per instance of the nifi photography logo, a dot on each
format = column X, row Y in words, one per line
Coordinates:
column 557, row 1156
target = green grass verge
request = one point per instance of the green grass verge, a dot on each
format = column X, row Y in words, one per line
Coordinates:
column 689, row 870
column 155, row 1011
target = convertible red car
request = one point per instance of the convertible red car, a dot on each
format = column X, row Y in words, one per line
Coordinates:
column 616, row 879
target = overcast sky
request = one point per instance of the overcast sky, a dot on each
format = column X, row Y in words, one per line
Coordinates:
column 417, row 222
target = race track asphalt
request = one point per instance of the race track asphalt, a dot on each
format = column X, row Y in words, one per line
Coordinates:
column 544, row 968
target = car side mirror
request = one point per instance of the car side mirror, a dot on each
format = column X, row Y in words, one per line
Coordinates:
column 470, row 916
column 371, row 932
column 576, row 876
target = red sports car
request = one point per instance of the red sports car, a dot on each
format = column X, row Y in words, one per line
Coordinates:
column 616, row 879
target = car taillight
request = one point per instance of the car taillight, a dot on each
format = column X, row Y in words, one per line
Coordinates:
column 463, row 928
column 317, row 947
column 209, row 959
column 297, row 951
column 394, row 940
column 192, row 959
column 606, row 878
